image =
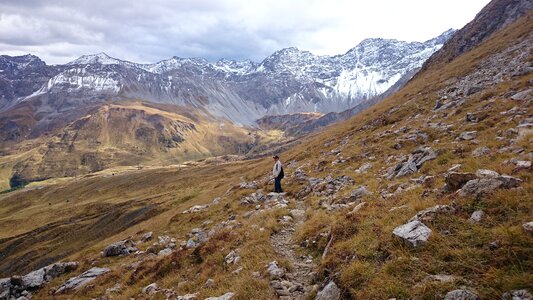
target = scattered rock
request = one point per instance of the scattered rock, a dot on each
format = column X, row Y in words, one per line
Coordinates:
column 117, row 288
column 467, row 136
column 216, row 200
column 429, row 214
column 77, row 282
column 150, row 289
column 249, row 185
column 274, row 271
column 523, row 95
column 414, row 233
column 164, row 252
column 484, row 186
column 413, row 163
column 124, row 247
column 360, row 192
column 232, row 258
column 477, row 216
column 147, row 236
column 481, row 151
column 528, row 227
column 195, row 209
column 517, row 295
column 364, row 168
column 329, row 292
column 209, row 283
column 470, row 117
column 188, row 297
column 226, row 296
column 483, row 173
column 253, row 198
column 460, row 295
column 427, row 181
column 357, row 208
column 522, row 165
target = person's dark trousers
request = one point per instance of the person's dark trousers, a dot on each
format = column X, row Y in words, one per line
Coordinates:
column 277, row 185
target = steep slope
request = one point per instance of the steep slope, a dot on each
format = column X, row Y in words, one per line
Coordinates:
column 430, row 156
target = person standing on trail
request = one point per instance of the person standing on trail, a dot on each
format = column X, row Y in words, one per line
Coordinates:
column 277, row 171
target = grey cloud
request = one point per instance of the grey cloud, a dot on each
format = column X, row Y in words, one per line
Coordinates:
column 149, row 31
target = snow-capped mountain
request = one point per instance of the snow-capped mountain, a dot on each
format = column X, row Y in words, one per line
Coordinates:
column 288, row 81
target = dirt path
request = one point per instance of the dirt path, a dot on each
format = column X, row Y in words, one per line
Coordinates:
column 296, row 282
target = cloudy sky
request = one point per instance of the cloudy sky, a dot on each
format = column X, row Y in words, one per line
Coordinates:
column 151, row 30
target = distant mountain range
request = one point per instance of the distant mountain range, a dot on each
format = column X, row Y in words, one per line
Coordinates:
column 288, row 81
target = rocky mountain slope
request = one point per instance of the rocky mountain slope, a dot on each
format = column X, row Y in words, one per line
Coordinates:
column 427, row 194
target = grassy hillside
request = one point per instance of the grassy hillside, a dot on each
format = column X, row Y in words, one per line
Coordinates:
column 75, row 219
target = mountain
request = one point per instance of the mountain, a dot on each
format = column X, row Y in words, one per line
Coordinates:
column 287, row 81
column 427, row 194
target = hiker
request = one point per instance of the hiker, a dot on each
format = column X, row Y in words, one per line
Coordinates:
column 277, row 171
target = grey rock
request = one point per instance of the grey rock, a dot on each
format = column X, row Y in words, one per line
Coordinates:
column 196, row 209
column 329, row 292
column 528, row 227
column 523, row 95
column 232, row 258
column 481, row 151
column 484, row 186
column 414, row 233
column 79, row 281
column 150, row 289
column 117, row 288
column 209, row 283
column 124, row 247
column 188, row 297
column 274, row 271
column 147, row 236
column 429, row 214
column 226, row 296
column 460, row 295
column 414, row 162
column 364, row 168
column 517, row 295
column 5, row 288
column 164, row 252
column 477, row 216
column 360, row 192
column 467, row 136
column 483, row 173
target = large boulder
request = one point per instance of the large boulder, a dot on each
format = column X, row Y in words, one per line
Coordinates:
column 79, row 281
column 329, row 292
column 484, row 186
column 124, row 247
column 460, row 295
column 414, row 233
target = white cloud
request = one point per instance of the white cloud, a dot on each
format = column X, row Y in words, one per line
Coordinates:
column 147, row 31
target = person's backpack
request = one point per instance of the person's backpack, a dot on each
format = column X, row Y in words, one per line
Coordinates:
column 281, row 173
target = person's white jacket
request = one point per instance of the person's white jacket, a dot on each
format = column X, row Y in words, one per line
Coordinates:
column 276, row 169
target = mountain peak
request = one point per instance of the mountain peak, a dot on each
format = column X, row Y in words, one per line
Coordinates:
column 98, row 58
